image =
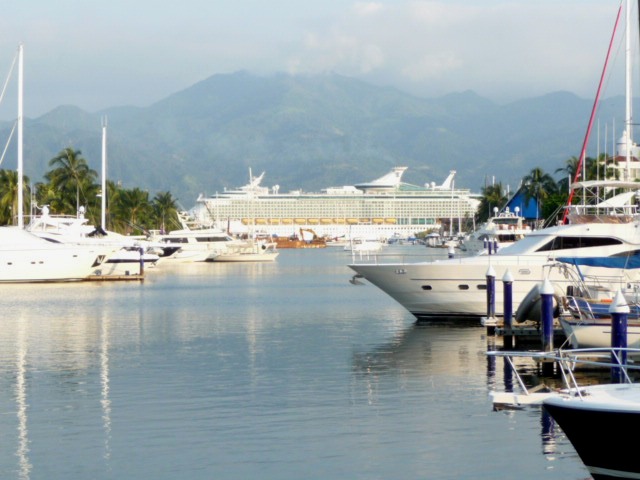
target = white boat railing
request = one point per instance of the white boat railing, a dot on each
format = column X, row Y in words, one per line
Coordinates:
column 568, row 361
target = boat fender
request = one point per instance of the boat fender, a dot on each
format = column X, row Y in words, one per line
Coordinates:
column 530, row 307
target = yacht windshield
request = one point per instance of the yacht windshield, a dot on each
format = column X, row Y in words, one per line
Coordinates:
column 528, row 244
column 548, row 243
column 565, row 243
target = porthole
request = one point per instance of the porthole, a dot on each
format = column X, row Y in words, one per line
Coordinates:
column 482, row 286
column 463, row 287
column 427, row 287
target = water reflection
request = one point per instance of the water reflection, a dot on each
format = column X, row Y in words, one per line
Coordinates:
column 21, row 402
column 426, row 349
column 105, row 400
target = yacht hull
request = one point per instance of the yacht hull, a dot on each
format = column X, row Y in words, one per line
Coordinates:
column 458, row 287
column 27, row 258
column 604, row 412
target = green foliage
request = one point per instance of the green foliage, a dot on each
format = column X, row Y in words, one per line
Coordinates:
column 9, row 196
column 71, row 184
column 493, row 196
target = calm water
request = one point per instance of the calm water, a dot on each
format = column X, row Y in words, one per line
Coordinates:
column 247, row 371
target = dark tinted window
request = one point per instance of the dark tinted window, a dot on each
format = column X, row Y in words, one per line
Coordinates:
column 563, row 243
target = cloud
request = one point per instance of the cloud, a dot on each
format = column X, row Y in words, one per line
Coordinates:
column 433, row 47
column 503, row 49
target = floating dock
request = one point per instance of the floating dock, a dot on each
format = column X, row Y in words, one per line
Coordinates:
column 529, row 332
column 113, row 278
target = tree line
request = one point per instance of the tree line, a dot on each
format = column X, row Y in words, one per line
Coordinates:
column 549, row 194
column 71, row 184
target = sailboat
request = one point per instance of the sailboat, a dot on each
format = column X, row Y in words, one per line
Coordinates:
column 596, row 227
column 124, row 256
column 25, row 257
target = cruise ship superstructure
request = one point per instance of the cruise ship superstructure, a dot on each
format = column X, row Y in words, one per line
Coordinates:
column 379, row 209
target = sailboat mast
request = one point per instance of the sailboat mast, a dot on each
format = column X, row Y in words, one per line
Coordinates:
column 103, row 207
column 20, row 121
column 591, row 118
column 629, row 113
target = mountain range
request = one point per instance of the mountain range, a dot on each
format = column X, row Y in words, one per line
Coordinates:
column 313, row 132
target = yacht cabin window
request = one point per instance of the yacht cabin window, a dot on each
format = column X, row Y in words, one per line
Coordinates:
column 564, row 243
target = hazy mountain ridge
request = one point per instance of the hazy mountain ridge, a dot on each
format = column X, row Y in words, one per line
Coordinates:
column 312, row 132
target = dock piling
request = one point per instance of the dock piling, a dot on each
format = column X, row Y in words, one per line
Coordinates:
column 491, row 292
column 546, row 296
column 619, row 310
column 507, row 281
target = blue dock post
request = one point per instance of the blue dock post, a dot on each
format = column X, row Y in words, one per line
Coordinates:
column 451, row 251
column 141, row 250
column 619, row 311
column 507, row 282
column 491, row 292
column 546, row 296
column 495, row 245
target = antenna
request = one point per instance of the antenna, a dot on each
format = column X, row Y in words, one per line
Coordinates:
column 103, row 222
column 20, row 121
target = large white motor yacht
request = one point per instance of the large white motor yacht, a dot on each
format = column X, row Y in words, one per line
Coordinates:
column 25, row 257
column 457, row 287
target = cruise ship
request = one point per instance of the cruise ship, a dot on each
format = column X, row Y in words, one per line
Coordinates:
column 379, row 209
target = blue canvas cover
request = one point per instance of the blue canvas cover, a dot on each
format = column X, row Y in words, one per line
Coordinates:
column 527, row 208
column 628, row 262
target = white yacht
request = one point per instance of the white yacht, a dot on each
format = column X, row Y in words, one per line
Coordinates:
column 456, row 287
column 192, row 244
column 605, row 223
column 25, row 257
column 123, row 255
column 501, row 230
column 249, row 250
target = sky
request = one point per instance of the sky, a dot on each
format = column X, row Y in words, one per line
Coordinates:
column 97, row 55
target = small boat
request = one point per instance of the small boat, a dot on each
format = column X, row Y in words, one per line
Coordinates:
column 190, row 244
column 363, row 245
column 502, row 229
column 587, row 414
column 585, row 317
column 248, row 251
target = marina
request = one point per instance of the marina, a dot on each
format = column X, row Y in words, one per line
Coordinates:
column 255, row 370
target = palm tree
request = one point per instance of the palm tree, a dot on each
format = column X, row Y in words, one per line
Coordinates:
column 9, row 195
column 131, row 209
column 538, row 185
column 164, row 206
column 492, row 197
column 569, row 171
column 71, row 172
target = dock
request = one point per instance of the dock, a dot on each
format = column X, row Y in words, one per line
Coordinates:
column 113, row 278
column 528, row 332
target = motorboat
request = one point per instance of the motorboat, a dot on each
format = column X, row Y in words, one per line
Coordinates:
column 123, row 255
column 586, row 413
column 598, row 412
column 499, row 231
column 25, row 257
column 363, row 245
column 249, row 251
column 192, row 244
column 585, row 314
column 603, row 222
column 457, row 287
